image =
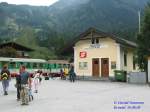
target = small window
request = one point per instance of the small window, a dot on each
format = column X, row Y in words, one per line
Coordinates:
column 97, row 41
column 93, row 41
column 105, row 61
column 125, row 59
column 134, row 63
column 96, row 62
column 83, row 65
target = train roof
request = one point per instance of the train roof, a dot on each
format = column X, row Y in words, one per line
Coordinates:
column 58, row 61
column 22, row 60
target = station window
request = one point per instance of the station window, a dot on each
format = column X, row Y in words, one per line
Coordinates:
column 95, row 40
column 83, row 65
column 134, row 63
column 125, row 59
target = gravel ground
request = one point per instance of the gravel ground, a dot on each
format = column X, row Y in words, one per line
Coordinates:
column 82, row 96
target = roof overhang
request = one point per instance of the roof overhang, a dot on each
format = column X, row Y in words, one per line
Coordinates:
column 91, row 32
column 16, row 46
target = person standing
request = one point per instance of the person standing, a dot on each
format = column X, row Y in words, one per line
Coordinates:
column 18, row 85
column 5, row 77
column 40, row 77
column 25, row 84
column 72, row 74
column 62, row 76
column 36, row 81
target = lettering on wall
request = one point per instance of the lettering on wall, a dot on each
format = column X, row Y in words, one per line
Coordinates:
column 97, row 46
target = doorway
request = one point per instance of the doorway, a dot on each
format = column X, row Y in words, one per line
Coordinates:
column 95, row 67
column 105, row 67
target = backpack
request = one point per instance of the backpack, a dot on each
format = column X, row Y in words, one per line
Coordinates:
column 4, row 76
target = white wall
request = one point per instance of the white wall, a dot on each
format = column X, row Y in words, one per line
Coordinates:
column 149, row 70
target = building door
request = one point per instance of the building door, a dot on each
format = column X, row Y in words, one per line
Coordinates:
column 105, row 67
column 95, row 67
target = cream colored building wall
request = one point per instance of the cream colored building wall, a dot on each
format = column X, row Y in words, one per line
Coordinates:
column 108, row 50
column 130, row 61
column 130, row 54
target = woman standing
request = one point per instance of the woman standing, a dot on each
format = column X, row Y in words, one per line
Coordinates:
column 5, row 77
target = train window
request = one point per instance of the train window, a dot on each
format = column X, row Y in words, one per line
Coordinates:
column 34, row 65
column 68, row 65
column 0, row 65
column 41, row 65
column 44, row 66
column 55, row 65
column 4, row 63
column 28, row 65
column 48, row 66
column 51, row 65
column 64, row 66
column 59, row 65
column 21, row 63
column 18, row 64
column 12, row 65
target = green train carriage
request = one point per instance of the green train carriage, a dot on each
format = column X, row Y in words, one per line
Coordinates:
column 32, row 65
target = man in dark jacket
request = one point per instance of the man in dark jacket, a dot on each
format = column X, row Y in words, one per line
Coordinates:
column 5, row 77
column 72, row 74
column 25, row 84
column 18, row 86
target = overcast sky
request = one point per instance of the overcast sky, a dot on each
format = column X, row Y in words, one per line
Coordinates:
column 31, row 2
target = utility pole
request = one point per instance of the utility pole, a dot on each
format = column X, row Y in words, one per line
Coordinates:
column 139, row 15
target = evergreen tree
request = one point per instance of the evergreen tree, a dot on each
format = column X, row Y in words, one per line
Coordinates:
column 143, row 40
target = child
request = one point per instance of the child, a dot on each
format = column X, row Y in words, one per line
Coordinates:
column 30, row 94
column 30, row 90
column 36, row 81
column 40, row 76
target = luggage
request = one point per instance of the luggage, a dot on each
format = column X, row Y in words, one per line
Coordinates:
column 46, row 78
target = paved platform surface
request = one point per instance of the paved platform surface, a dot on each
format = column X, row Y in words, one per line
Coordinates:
column 81, row 96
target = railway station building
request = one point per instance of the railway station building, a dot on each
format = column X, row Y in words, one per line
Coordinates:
column 98, row 54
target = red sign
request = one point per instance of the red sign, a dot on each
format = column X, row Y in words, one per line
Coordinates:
column 83, row 54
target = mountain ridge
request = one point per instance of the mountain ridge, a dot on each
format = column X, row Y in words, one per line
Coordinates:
column 51, row 27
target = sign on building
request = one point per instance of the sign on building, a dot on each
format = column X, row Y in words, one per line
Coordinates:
column 83, row 54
